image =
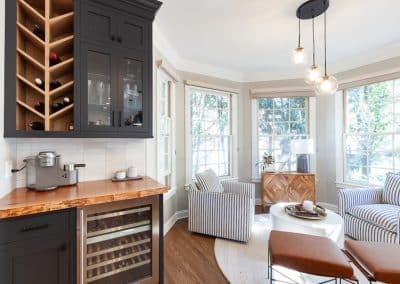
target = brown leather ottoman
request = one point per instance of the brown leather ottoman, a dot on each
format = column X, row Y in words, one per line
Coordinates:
column 308, row 254
column 378, row 261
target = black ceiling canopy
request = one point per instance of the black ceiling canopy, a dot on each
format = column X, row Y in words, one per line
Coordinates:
column 312, row 9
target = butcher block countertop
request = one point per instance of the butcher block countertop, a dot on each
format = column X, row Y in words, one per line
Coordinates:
column 23, row 201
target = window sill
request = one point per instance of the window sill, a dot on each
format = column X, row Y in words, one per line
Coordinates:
column 355, row 185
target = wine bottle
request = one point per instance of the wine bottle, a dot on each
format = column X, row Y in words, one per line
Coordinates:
column 54, row 59
column 38, row 31
column 39, row 106
column 54, row 84
column 71, row 126
column 56, row 107
column 36, row 125
column 67, row 100
column 39, row 83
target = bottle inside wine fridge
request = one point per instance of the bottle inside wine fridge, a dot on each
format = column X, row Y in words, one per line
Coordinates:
column 119, row 245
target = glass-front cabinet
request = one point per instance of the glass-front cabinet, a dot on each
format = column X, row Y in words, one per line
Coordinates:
column 116, row 75
column 99, row 113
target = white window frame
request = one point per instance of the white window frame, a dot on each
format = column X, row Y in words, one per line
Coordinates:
column 233, row 170
column 340, row 106
column 255, row 171
column 165, row 78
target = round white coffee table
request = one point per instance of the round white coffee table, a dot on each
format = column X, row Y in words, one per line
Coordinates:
column 331, row 226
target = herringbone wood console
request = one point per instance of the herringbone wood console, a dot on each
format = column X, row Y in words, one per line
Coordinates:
column 287, row 187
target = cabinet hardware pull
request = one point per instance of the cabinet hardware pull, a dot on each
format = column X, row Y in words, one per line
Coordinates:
column 120, row 119
column 63, row 247
column 34, row 228
column 113, row 118
column 119, row 39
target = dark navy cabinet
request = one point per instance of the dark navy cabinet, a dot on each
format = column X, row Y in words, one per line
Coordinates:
column 39, row 249
column 110, row 72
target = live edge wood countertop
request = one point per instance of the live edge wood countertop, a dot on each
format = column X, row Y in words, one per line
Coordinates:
column 23, row 201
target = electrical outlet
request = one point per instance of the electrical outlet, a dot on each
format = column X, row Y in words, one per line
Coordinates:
column 7, row 168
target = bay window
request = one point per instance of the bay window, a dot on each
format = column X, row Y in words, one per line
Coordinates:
column 372, row 132
column 279, row 121
column 209, row 132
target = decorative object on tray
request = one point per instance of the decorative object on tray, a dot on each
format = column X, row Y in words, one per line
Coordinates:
column 307, row 210
column 267, row 164
column 124, row 175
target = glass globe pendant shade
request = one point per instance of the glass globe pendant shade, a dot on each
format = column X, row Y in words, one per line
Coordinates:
column 299, row 56
column 313, row 74
column 327, row 85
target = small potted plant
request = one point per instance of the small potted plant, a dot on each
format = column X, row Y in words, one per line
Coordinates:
column 267, row 163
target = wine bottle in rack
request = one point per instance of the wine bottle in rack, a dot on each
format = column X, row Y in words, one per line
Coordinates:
column 56, row 107
column 38, row 31
column 54, row 59
column 71, row 126
column 36, row 125
column 39, row 106
column 39, row 83
column 55, row 84
column 67, row 101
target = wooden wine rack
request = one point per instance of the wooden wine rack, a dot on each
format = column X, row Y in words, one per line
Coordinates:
column 56, row 18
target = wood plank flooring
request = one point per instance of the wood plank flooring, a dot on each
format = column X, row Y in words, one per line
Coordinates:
column 189, row 258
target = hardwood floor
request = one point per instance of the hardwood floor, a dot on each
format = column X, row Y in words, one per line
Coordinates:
column 189, row 257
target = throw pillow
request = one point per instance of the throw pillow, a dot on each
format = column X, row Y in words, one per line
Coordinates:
column 208, row 181
column 391, row 190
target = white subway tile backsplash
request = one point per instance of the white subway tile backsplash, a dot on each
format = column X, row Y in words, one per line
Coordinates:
column 102, row 157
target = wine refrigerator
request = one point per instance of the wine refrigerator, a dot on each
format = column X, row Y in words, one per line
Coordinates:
column 119, row 242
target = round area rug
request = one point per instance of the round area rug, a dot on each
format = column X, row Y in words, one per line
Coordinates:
column 248, row 263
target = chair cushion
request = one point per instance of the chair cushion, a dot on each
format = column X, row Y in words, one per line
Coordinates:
column 391, row 190
column 208, row 181
column 379, row 259
column 385, row 216
column 308, row 254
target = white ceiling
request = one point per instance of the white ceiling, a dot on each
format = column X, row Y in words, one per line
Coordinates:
column 251, row 40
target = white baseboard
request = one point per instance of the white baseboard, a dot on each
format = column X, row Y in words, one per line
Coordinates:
column 171, row 221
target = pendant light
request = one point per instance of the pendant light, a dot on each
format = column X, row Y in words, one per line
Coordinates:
column 313, row 73
column 299, row 56
column 326, row 85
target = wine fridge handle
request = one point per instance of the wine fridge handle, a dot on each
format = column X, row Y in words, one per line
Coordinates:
column 120, row 118
column 113, row 118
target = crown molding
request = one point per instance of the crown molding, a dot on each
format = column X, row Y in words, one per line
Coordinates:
column 345, row 64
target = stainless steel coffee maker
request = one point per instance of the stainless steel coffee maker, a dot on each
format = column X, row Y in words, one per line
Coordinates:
column 43, row 172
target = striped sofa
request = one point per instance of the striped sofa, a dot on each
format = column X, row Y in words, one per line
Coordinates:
column 228, row 214
column 372, row 214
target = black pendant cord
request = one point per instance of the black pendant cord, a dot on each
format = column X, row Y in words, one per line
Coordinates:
column 325, row 40
column 298, row 44
column 313, row 39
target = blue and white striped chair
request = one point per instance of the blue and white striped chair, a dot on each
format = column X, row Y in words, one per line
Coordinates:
column 227, row 214
column 372, row 214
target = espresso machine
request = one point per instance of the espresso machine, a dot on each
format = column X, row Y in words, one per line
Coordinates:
column 44, row 172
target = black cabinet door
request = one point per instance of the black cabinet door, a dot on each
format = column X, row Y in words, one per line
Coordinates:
column 133, row 32
column 37, row 261
column 98, row 23
column 98, row 88
column 134, row 92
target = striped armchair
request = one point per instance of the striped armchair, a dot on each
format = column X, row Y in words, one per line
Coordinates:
column 372, row 214
column 228, row 214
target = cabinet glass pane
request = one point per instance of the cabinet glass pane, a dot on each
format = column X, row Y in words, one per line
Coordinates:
column 99, row 94
column 132, row 87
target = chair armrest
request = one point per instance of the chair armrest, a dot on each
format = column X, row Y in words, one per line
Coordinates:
column 239, row 188
column 220, row 203
column 350, row 197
